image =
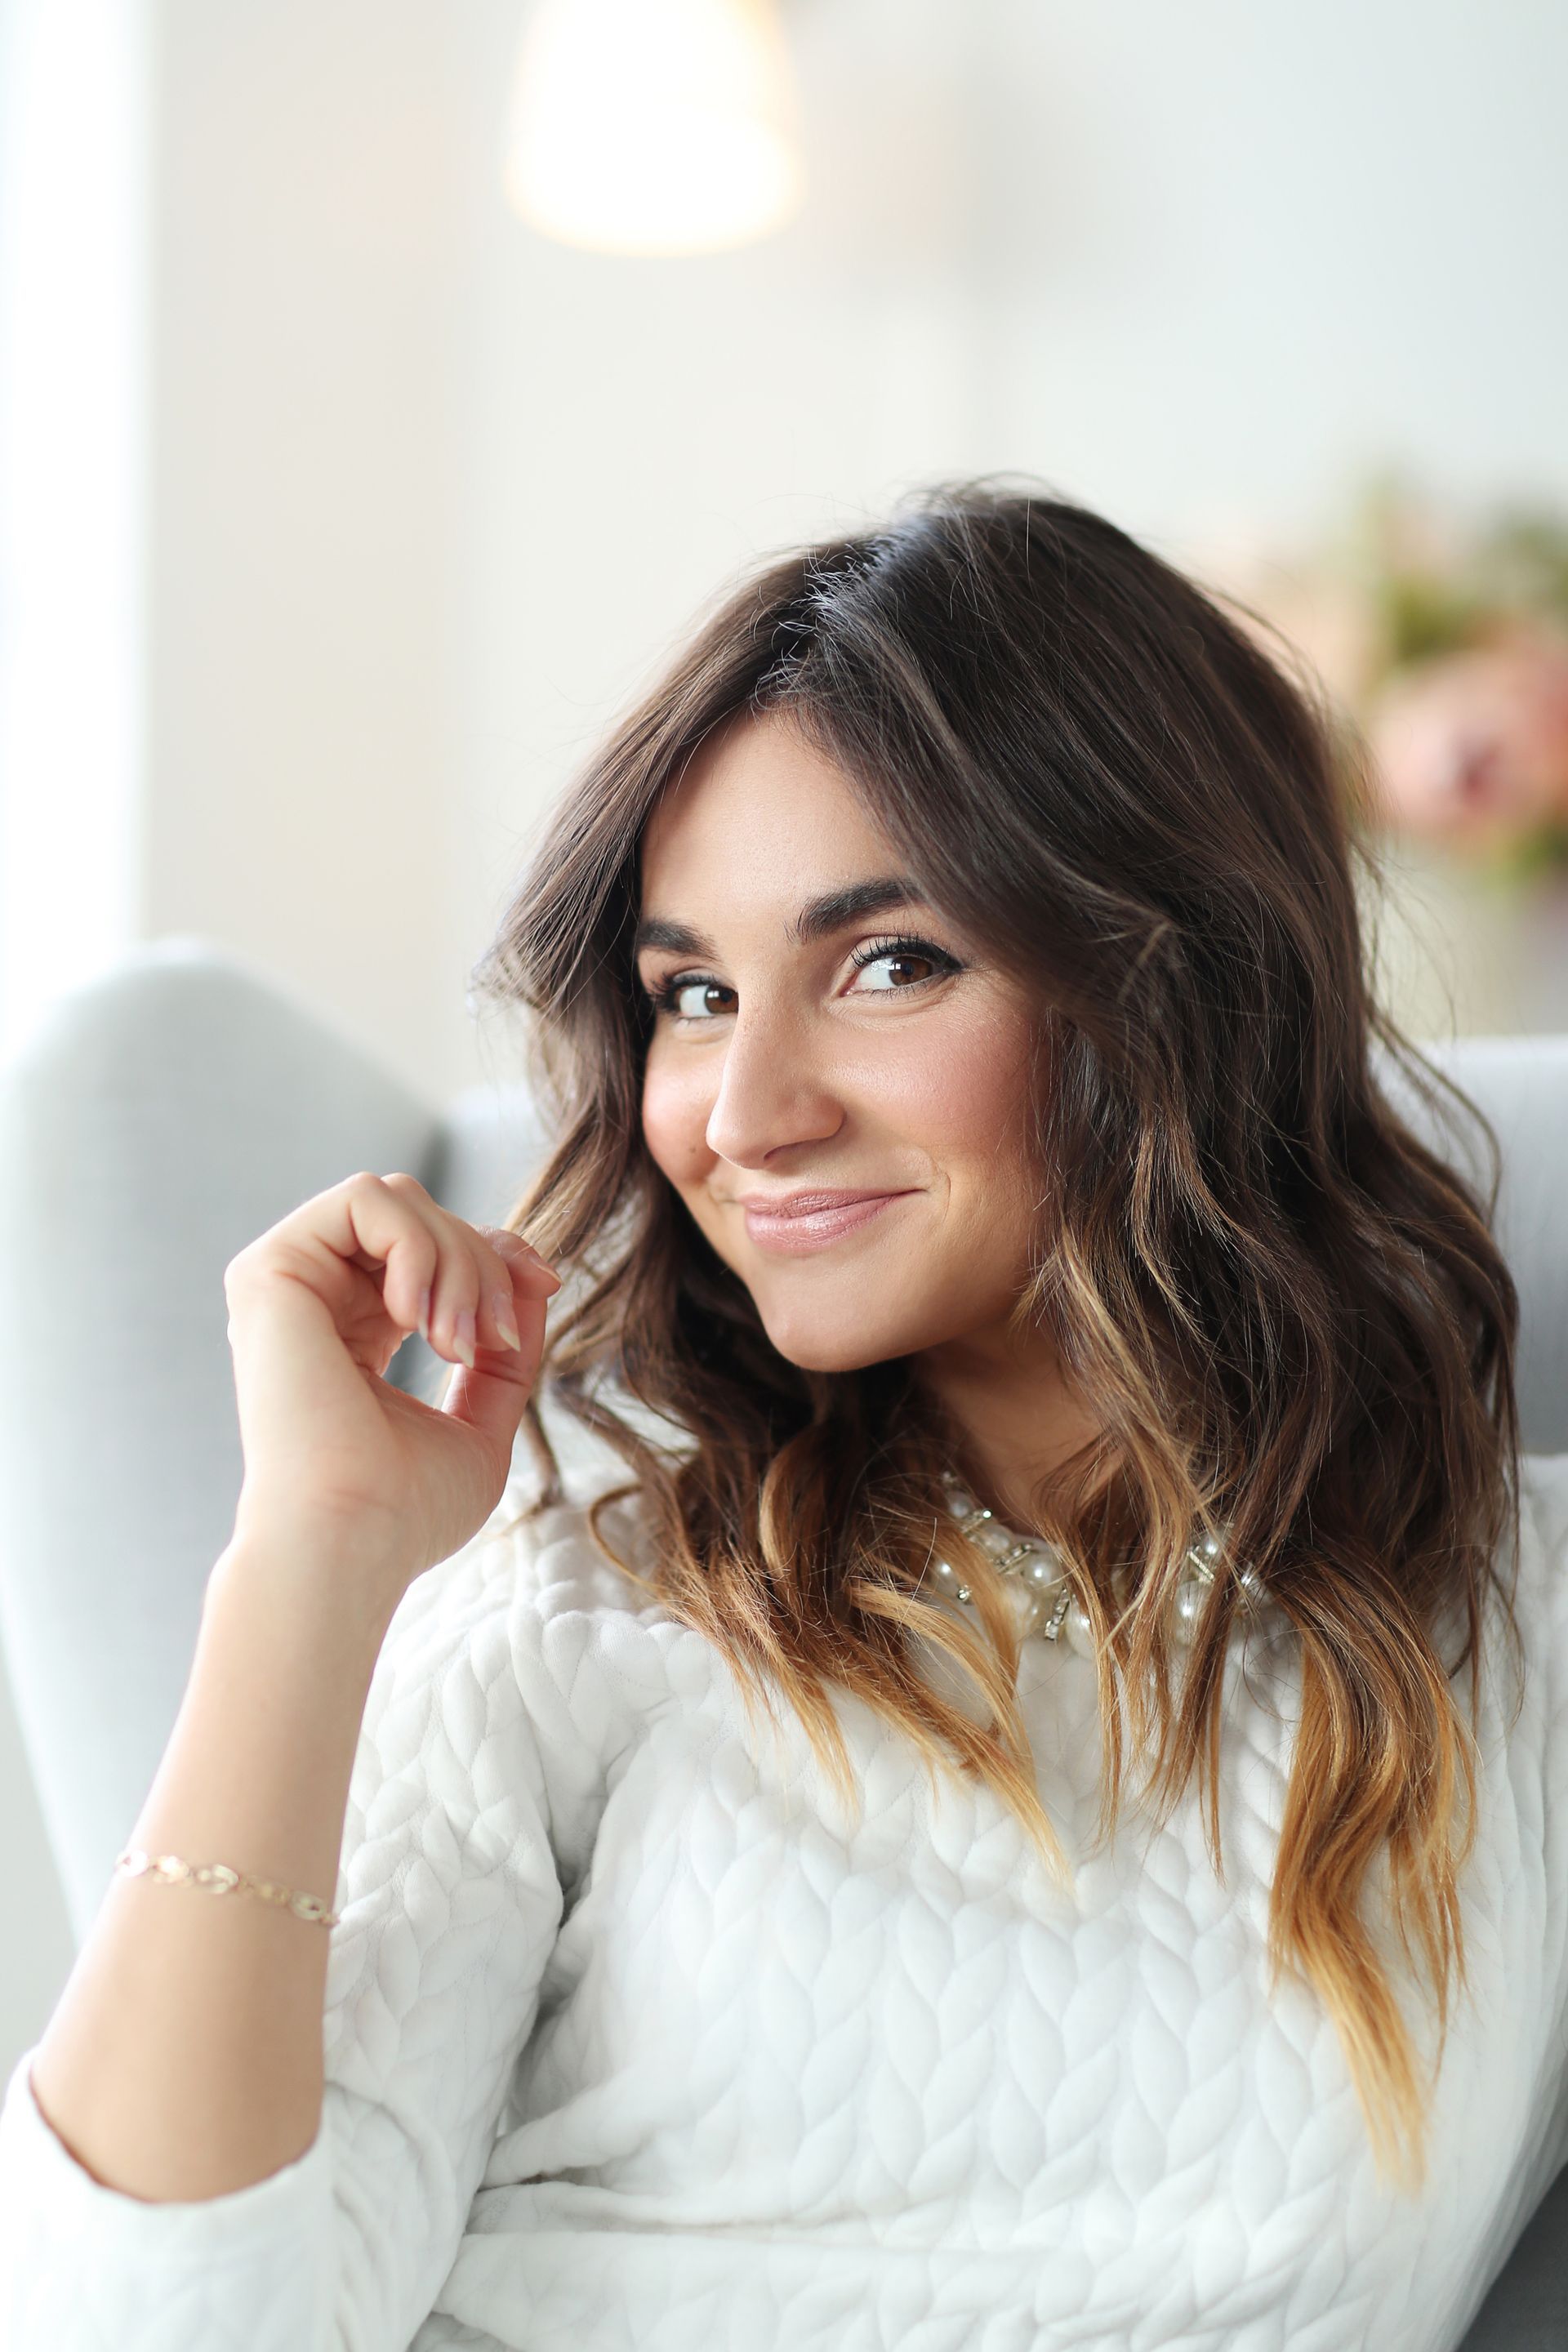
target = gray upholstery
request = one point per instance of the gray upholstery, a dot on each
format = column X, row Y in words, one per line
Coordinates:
column 168, row 1113
column 165, row 1117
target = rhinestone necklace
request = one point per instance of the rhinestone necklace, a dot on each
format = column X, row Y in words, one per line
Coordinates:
column 1039, row 1591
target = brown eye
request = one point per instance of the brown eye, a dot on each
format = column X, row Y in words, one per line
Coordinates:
column 915, row 963
column 689, row 997
column 899, row 963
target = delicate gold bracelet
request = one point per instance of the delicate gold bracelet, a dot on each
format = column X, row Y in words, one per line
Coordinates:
column 217, row 1878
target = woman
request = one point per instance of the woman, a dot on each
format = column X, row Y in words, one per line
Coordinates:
column 951, row 993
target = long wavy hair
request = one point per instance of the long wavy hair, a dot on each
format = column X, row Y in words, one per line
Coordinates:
column 1286, row 1313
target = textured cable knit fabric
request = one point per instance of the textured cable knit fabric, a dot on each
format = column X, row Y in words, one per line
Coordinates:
column 636, row 2037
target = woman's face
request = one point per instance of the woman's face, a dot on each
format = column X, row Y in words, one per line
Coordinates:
column 824, row 1030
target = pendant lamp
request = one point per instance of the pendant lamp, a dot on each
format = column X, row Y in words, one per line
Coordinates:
column 654, row 126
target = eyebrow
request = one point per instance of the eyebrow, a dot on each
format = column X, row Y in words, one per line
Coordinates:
column 817, row 919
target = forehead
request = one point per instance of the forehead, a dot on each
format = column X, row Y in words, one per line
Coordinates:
column 758, row 814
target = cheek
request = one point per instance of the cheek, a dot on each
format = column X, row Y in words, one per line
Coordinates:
column 675, row 1111
column 967, row 1100
column 966, row 1110
column 969, row 1108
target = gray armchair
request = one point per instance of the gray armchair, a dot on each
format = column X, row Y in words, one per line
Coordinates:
column 168, row 1113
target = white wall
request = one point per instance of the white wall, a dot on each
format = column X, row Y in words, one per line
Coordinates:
column 433, row 493
column 74, row 336
column 430, row 495
column 1198, row 266
column 312, row 320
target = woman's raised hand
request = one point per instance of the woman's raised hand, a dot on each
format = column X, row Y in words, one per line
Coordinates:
column 338, row 1462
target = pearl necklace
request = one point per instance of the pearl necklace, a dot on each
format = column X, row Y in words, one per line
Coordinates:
column 1041, row 1594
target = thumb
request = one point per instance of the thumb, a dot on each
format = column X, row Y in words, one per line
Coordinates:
column 490, row 1395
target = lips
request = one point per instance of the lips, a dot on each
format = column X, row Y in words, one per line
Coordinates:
column 807, row 1204
column 811, row 1221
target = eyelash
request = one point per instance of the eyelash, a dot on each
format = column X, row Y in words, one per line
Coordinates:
column 663, row 998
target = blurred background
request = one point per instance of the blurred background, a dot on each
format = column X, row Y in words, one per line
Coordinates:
column 385, row 386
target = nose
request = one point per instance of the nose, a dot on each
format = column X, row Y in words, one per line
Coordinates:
column 772, row 1093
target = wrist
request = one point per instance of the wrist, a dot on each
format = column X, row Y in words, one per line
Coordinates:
column 348, row 1588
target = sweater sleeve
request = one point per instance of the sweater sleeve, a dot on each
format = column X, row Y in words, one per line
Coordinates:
column 450, row 1897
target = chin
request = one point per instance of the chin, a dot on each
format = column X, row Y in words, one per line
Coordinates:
column 818, row 1347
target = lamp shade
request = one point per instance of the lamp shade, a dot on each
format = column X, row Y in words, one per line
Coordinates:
column 653, row 126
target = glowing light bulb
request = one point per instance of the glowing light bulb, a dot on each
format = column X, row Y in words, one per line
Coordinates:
column 654, row 126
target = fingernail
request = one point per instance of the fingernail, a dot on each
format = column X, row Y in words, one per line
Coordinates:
column 506, row 1321
column 463, row 1337
column 425, row 1314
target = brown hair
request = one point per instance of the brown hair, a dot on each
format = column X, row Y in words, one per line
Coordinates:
column 1285, row 1312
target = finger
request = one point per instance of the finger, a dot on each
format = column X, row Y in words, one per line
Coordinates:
column 516, row 1272
column 480, row 1291
column 512, row 1248
column 468, row 1306
column 371, row 1223
column 491, row 1396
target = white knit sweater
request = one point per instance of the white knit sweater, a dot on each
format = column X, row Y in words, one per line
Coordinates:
column 635, row 2038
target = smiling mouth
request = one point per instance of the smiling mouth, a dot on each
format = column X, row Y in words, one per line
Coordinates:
column 799, row 1226
column 808, row 1204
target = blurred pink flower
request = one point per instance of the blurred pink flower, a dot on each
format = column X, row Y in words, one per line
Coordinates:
column 1473, row 747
